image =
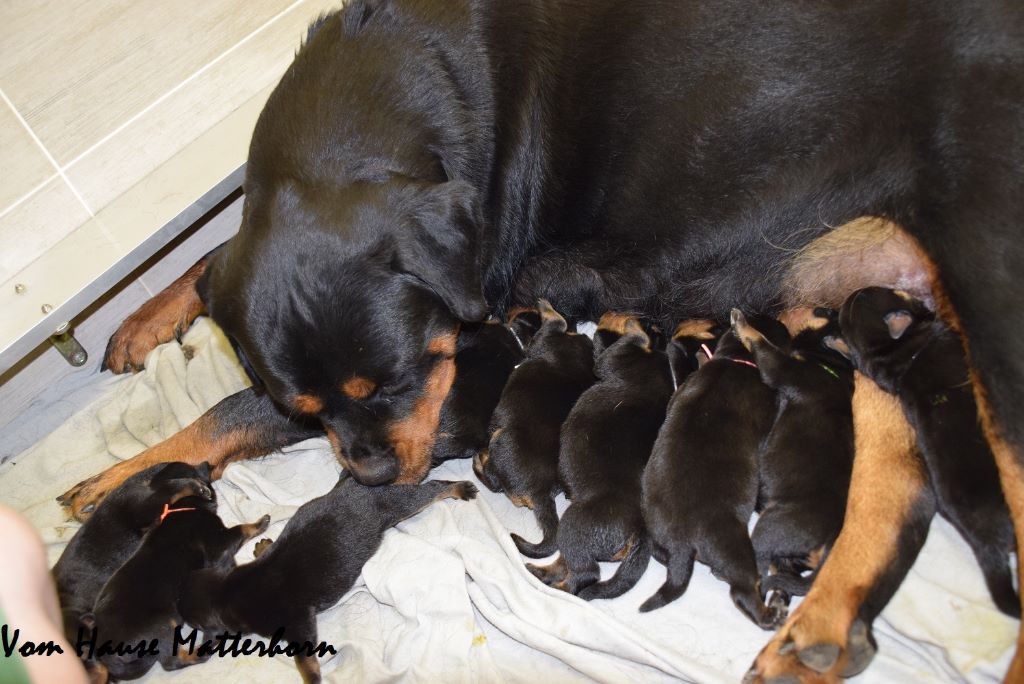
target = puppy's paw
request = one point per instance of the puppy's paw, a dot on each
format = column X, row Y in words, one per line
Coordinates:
column 261, row 547
column 464, row 491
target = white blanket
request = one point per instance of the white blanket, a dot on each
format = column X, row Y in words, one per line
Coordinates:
column 447, row 597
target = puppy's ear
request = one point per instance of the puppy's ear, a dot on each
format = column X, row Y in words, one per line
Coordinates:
column 837, row 344
column 443, row 250
column 898, row 322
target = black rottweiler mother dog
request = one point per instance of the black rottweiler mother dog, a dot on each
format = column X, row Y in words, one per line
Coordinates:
column 424, row 162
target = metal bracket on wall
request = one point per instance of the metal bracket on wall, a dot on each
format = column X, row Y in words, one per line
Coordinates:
column 70, row 348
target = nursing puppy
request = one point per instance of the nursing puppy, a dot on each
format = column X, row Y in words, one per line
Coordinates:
column 485, row 355
column 307, row 569
column 806, row 463
column 605, row 443
column 522, row 458
column 113, row 533
column 690, row 347
column 700, row 486
column 139, row 603
column 902, row 346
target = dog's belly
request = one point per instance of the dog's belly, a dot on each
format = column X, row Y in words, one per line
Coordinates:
column 677, row 171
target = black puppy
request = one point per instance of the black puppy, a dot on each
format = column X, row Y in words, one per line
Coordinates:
column 690, row 347
column 314, row 562
column 805, row 465
column 485, row 356
column 114, row 532
column 605, row 443
column 138, row 604
column 903, row 347
column 522, row 457
column 700, row 486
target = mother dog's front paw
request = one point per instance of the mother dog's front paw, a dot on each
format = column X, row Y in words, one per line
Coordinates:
column 796, row 654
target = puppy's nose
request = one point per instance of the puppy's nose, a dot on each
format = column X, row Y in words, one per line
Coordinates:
column 373, row 467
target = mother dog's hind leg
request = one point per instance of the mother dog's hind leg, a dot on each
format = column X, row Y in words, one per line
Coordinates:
column 243, row 425
column 167, row 315
column 888, row 512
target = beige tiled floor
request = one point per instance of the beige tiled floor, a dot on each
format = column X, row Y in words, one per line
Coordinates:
column 115, row 115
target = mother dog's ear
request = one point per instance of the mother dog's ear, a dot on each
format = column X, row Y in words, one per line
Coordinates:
column 443, row 249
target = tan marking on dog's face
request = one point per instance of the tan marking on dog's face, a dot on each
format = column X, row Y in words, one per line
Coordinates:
column 443, row 344
column 413, row 436
column 308, row 404
column 696, row 328
column 801, row 318
column 358, row 387
column 338, row 448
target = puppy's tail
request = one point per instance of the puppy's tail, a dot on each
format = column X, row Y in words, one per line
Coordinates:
column 680, row 569
column 626, row 576
column 547, row 518
column 996, row 570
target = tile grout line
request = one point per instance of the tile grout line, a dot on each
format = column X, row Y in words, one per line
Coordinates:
column 28, row 195
column 180, row 85
column 46, row 152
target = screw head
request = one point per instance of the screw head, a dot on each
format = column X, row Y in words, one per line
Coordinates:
column 47, row 308
column 19, row 288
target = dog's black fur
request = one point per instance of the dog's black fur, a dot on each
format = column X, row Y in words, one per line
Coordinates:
column 484, row 358
column 424, row 161
column 806, row 463
column 114, row 532
column 700, row 486
column 522, row 457
column 310, row 566
column 605, row 443
column 139, row 602
column 902, row 346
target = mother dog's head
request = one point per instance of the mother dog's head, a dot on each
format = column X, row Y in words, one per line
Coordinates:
column 359, row 250
column 344, row 303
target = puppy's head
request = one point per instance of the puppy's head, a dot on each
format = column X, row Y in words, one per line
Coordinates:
column 345, row 303
column 143, row 495
column 882, row 329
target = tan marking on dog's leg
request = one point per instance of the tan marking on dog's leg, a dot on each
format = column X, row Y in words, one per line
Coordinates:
column 888, row 477
column 1011, row 475
column 626, row 548
column 200, row 441
column 165, row 316
column 413, row 437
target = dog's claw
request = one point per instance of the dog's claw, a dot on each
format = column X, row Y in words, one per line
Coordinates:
column 783, row 679
column 787, row 648
column 860, row 649
column 819, row 657
column 751, row 676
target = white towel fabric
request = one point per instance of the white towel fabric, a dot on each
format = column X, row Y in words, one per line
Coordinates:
column 447, row 597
